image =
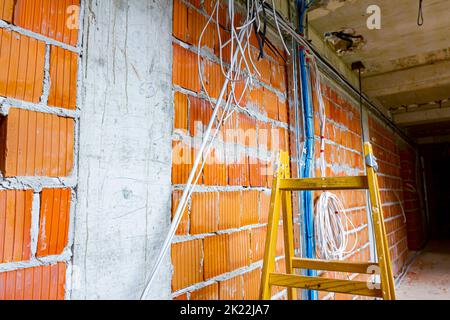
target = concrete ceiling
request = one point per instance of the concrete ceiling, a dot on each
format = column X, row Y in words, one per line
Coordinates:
column 407, row 66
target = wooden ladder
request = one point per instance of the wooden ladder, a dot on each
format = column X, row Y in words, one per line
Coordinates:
column 283, row 185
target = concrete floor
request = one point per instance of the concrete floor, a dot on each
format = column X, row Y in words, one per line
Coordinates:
column 428, row 278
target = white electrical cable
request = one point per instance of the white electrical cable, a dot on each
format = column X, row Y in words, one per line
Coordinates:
column 278, row 27
column 332, row 228
column 239, row 42
column 331, row 222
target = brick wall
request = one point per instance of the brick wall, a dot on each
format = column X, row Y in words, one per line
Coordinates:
column 38, row 89
column 344, row 157
column 219, row 245
column 387, row 151
column 416, row 233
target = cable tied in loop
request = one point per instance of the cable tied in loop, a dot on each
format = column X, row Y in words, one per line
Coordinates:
column 333, row 228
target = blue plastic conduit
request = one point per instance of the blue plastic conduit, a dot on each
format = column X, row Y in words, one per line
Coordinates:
column 307, row 205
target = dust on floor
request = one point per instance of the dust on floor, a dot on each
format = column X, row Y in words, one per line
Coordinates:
column 428, row 278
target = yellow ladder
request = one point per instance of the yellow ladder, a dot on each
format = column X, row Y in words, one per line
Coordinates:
column 283, row 185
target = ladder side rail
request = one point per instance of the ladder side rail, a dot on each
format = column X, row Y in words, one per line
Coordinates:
column 377, row 228
column 288, row 228
column 271, row 236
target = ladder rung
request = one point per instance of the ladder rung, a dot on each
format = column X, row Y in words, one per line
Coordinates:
column 335, row 183
column 322, row 284
column 329, row 265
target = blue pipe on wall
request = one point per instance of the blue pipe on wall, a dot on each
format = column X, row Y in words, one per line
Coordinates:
column 308, row 157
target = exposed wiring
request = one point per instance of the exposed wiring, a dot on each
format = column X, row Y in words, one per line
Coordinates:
column 327, row 67
column 278, row 27
column 307, row 205
column 333, row 228
column 401, row 205
column 241, row 68
column 331, row 221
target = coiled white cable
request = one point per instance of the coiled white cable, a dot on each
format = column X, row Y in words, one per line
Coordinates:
column 332, row 228
column 332, row 225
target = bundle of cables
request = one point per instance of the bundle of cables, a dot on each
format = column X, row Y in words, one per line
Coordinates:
column 332, row 225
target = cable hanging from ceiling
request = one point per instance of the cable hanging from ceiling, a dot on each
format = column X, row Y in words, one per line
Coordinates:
column 420, row 19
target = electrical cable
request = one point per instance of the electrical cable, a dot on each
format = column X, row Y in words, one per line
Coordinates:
column 307, row 206
column 328, row 67
column 239, row 42
column 331, row 221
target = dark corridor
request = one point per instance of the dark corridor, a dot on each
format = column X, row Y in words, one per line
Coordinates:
column 437, row 173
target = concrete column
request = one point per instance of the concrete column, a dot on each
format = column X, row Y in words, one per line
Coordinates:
column 123, row 208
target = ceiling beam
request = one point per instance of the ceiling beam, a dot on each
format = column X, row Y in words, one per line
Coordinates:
column 408, row 80
column 422, row 117
column 433, row 139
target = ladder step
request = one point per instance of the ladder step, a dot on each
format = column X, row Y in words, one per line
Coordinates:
column 335, row 183
column 322, row 284
column 331, row 265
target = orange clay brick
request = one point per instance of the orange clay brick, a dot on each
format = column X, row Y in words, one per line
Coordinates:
column 239, row 249
column 199, row 115
column 226, row 252
column 187, row 260
column 208, row 6
column 22, row 59
column 247, row 131
column 224, row 41
column 215, row 171
column 210, row 292
column 179, row 27
column 56, row 19
column 36, row 144
column 265, row 206
column 183, row 227
column 283, row 110
column 204, row 212
column 257, row 174
column 238, row 171
column 264, row 136
column 195, row 25
column 250, row 207
column 181, row 104
column 278, row 76
column 258, row 241
column 230, row 204
column 256, row 98
column 63, row 78
column 270, row 104
column 183, row 156
column 263, row 66
column 216, row 255
column 15, row 225
column 231, row 289
column 6, row 10
column 54, row 221
column 252, row 282
column 213, row 78
column 185, row 69
column 38, row 283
